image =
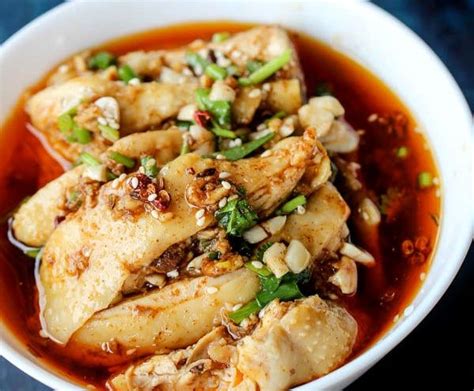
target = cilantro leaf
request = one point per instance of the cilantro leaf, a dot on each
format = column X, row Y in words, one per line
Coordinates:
column 236, row 217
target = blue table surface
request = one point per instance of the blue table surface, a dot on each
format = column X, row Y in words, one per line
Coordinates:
column 439, row 352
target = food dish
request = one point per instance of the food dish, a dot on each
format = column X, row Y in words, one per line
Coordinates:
column 62, row 330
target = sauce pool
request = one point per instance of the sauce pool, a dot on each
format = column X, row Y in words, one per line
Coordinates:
column 410, row 214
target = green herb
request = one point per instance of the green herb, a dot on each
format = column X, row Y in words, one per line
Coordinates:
column 218, row 131
column 122, row 159
column 261, row 250
column 88, row 159
column 244, row 312
column 183, row 124
column 236, row 217
column 263, row 271
column 284, row 292
column 232, row 70
column 267, row 70
column 216, row 72
column 220, row 109
column 185, row 147
column 109, row 133
column 149, row 164
column 220, row 37
column 32, row 252
column 323, row 89
column 101, row 60
column 425, row 180
column 81, row 135
column 237, row 153
column 214, row 255
column 291, row 205
column 126, row 73
column 110, row 175
column 254, row 65
column 279, row 114
column 65, row 123
column 198, row 63
column 402, row 152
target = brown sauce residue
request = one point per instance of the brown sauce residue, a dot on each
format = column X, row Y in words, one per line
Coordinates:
column 411, row 214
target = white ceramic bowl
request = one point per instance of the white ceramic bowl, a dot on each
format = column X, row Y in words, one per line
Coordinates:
column 359, row 29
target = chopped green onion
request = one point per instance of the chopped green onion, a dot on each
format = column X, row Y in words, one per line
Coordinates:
column 277, row 115
column 122, row 159
column 149, row 164
column 425, row 180
column 33, row 252
column 244, row 312
column 285, row 291
column 81, row 135
column 220, row 109
column 101, row 60
column 263, row 271
column 109, row 133
column 218, row 131
column 402, row 152
column 267, row 70
column 65, row 123
column 254, row 65
column 216, row 72
column 214, row 255
column 110, row 175
column 292, row 204
column 198, row 63
column 185, row 148
column 232, row 70
column 220, row 37
column 183, row 124
column 88, row 159
column 237, row 153
column 126, row 73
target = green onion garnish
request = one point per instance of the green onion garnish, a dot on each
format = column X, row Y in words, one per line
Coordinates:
column 220, row 37
column 266, row 70
column 126, row 73
column 279, row 114
column 81, row 135
column 254, row 65
column 292, row 204
column 149, row 164
column 244, row 312
column 263, row 271
column 425, row 180
column 402, row 152
column 101, row 60
column 237, row 153
column 33, row 252
column 109, row 133
column 65, row 123
column 216, row 72
column 183, row 124
column 198, row 63
column 185, row 147
column 88, row 159
column 218, row 131
column 122, row 159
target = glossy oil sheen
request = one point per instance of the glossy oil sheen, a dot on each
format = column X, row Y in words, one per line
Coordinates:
column 384, row 291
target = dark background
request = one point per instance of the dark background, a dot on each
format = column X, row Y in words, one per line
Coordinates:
column 439, row 353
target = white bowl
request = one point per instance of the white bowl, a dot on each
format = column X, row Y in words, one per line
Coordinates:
column 359, row 29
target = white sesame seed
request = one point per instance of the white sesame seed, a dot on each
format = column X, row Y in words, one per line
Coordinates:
column 422, row 276
column 113, row 124
column 300, row 210
column 237, row 307
column 224, row 175
column 141, row 170
column 186, row 71
column 395, row 318
column 255, row 93
column 266, row 87
column 220, row 157
column 115, row 183
column 267, row 153
column 101, row 120
column 63, row 68
column 122, row 177
column 437, row 193
column 286, row 130
column 233, row 197
column 134, row 182
column 235, row 143
column 200, row 213
column 226, row 185
column 134, row 82
column 372, row 117
column 152, row 197
column 211, row 290
column 262, row 127
column 155, row 214
column 257, row 264
column 200, row 222
column 223, row 202
column 436, row 180
column 173, row 274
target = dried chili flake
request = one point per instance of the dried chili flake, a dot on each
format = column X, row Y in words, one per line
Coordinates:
column 202, row 117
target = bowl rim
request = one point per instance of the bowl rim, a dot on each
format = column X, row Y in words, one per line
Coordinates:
column 387, row 341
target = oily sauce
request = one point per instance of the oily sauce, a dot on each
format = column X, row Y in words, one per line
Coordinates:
column 402, row 244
